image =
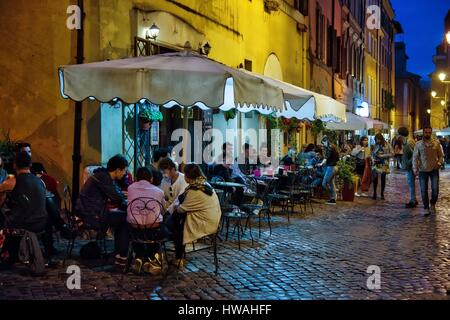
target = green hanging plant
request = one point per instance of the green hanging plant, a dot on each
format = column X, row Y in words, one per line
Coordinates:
column 230, row 114
column 273, row 120
column 317, row 127
column 389, row 104
column 151, row 115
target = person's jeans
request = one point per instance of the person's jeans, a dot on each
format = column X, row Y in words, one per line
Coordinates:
column 328, row 181
column 411, row 181
column 424, row 177
column 117, row 220
column 175, row 224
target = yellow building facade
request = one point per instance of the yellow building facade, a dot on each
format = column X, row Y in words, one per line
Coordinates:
column 266, row 37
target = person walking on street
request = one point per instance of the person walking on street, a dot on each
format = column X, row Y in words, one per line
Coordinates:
column 361, row 153
column 331, row 160
column 428, row 158
column 407, row 165
column 381, row 153
column 398, row 151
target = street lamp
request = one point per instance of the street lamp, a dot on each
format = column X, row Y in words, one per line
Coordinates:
column 152, row 32
column 429, row 111
column 447, row 36
column 433, row 94
column 442, row 76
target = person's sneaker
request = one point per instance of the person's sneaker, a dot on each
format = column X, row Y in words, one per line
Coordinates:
column 152, row 267
column 331, row 202
column 433, row 209
column 137, row 267
column 158, row 258
column 357, row 194
column 364, row 194
column 179, row 263
column 120, row 261
column 427, row 212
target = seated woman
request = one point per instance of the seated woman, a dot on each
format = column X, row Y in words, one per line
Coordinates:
column 198, row 214
column 145, row 217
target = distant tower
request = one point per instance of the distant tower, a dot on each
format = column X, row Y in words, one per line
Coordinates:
column 447, row 22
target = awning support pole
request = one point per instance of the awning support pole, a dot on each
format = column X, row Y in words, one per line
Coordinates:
column 76, row 157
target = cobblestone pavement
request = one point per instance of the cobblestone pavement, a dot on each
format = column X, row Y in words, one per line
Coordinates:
column 324, row 255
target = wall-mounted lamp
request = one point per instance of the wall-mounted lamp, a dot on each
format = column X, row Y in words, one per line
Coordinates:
column 442, row 103
column 442, row 76
column 447, row 36
column 429, row 111
column 205, row 49
column 152, row 32
column 433, row 94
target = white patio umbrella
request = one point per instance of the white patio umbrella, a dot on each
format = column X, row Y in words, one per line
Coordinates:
column 305, row 104
column 354, row 122
column 184, row 78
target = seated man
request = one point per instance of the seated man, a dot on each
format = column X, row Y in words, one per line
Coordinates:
column 173, row 183
column 92, row 202
column 145, row 216
column 229, row 171
column 26, row 206
column 198, row 213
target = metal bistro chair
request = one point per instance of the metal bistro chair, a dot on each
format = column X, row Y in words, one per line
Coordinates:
column 77, row 228
column 142, row 207
column 260, row 204
column 231, row 213
column 303, row 191
column 283, row 196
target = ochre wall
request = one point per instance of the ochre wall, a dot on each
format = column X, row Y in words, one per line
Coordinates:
column 35, row 41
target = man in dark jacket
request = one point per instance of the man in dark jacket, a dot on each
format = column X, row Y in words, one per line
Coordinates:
column 26, row 204
column 91, row 205
column 407, row 165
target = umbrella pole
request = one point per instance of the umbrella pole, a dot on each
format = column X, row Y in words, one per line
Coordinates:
column 185, row 134
column 76, row 157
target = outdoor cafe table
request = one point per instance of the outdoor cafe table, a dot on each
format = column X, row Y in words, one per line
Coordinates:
column 223, row 184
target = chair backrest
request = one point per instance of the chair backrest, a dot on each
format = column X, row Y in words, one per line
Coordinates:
column 217, row 179
column 145, row 206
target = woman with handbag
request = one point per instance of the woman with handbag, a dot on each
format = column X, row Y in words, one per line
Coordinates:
column 381, row 153
column 361, row 153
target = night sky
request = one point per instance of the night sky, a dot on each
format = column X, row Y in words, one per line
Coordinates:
column 423, row 24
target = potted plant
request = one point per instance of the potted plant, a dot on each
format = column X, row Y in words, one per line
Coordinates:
column 346, row 177
column 7, row 150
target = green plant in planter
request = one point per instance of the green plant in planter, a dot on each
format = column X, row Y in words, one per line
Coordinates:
column 346, row 172
column 7, row 148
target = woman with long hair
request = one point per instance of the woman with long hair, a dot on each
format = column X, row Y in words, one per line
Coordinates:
column 361, row 153
column 198, row 214
column 381, row 153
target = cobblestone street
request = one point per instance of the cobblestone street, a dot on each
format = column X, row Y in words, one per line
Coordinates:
column 323, row 255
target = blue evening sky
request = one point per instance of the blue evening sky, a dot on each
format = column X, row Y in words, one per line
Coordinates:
column 423, row 24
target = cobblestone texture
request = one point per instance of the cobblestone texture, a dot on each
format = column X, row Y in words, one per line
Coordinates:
column 320, row 256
